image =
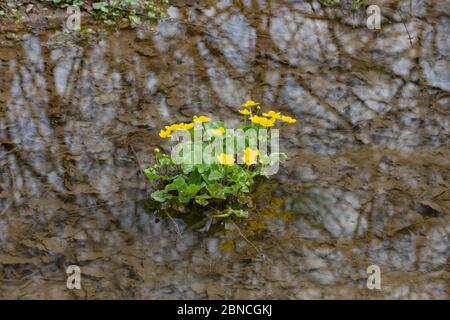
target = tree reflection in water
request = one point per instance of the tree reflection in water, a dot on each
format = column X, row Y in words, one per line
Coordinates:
column 367, row 182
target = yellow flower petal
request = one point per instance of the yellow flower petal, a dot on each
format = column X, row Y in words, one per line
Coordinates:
column 270, row 122
column 201, row 119
column 226, row 159
column 173, row 127
column 272, row 114
column 250, row 103
column 187, row 126
column 218, row 132
column 255, row 119
column 263, row 121
column 245, row 112
column 288, row 119
column 250, row 156
column 164, row 134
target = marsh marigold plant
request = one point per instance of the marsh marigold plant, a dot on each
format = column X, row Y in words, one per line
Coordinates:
column 227, row 175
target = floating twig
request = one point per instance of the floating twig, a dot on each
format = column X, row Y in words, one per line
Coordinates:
column 246, row 239
column 176, row 224
column 404, row 24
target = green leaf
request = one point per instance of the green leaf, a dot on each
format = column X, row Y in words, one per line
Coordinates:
column 244, row 188
column 237, row 212
column 188, row 192
column 202, row 168
column 241, row 213
column 179, row 182
column 216, row 190
column 134, row 20
column 194, row 188
column 202, row 199
column 161, row 196
column 151, row 174
column 238, row 174
column 215, row 175
column 102, row 6
column 232, row 189
column 187, row 168
column 185, row 197
column 194, row 178
column 164, row 160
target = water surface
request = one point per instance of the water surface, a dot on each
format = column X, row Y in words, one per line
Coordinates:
column 367, row 181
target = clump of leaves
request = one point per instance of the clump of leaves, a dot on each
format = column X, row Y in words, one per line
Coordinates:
column 9, row 10
column 354, row 3
column 12, row 36
column 132, row 10
column 113, row 11
column 67, row 3
column 3, row 11
column 223, row 182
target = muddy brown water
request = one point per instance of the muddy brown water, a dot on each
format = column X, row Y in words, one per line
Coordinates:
column 367, row 182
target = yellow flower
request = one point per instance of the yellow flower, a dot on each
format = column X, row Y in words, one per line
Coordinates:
column 268, row 122
column 288, row 119
column 187, row 126
column 245, row 112
column 250, row 103
column 226, row 159
column 255, row 119
column 201, row 119
column 173, row 127
column 263, row 121
column 218, row 132
column 164, row 134
column 179, row 126
column 250, row 156
column 272, row 114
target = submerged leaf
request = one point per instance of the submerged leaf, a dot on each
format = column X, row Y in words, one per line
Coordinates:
column 237, row 212
column 202, row 199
